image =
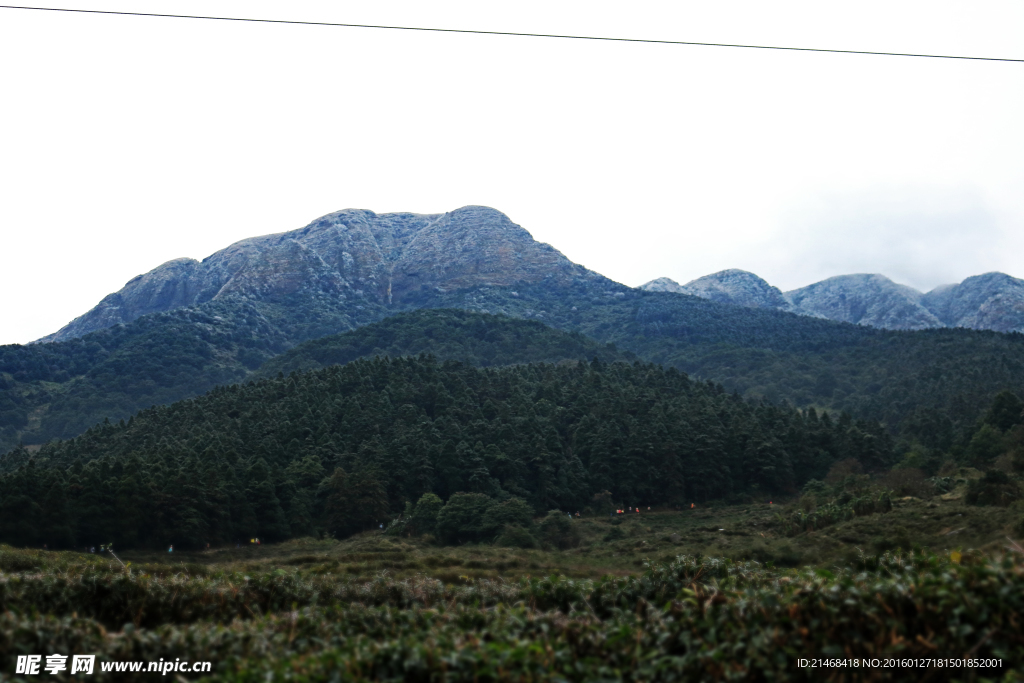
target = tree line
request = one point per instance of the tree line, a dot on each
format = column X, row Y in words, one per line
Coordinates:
column 344, row 448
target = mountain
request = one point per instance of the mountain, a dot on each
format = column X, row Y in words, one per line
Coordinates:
column 731, row 286
column 993, row 301
column 473, row 259
column 342, row 262
column 187, row 325
column 872, row 300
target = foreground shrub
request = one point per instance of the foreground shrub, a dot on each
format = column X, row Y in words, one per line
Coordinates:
column 690, row 619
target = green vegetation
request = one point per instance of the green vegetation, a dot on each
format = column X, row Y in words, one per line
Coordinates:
column 651, row 604
column 421, row 499
column 930, row 385
column 475, row 338
column 349, row 448
column 59, row 390
column 345, row 448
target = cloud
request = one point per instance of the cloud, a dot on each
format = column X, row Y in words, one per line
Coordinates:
column 919, row 236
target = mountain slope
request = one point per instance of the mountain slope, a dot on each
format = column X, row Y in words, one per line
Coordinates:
column 872, row 300
column 890, row 376
column 278, row 296
column 480, row 339
column 872, row 373
column 60, row 389
column 993, row 301
column 343, row 261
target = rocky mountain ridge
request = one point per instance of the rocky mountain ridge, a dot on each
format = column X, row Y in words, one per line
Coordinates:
column 731, row 286
column 350, row 259
column 992, row 301
column 355, row 265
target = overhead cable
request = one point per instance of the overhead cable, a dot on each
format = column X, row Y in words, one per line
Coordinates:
column 512, row 33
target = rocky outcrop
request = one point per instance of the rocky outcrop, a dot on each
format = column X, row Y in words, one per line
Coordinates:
column 731, row 286
column 348, row 255
column 476, row 246
column 739, row 287
column 993, row 301
column 663, row 284
column 872, row 300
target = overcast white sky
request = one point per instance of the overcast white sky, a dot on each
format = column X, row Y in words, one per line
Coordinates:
column 130, row 141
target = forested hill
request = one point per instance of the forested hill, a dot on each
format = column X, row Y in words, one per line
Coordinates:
column 932, row 385
column 264, row 458
column 60, row 389
column 480, row 339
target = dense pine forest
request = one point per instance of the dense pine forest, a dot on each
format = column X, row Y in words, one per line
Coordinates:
column 347, row 447
column 479, row 339
column 934, row 383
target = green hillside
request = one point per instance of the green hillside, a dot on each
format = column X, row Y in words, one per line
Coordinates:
column 479, row 339
column 931, row 385
column 264, row 458
column 60, row 389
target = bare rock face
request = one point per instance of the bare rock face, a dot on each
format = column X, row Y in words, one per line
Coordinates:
column 348, row 255
column 168, row 286
column 476, row 246
column 736, row 286
column 872, row 300
column 993, row 301
column 731, row 286
column 662, row 284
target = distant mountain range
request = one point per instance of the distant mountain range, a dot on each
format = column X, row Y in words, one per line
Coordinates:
column 353, row 260
column 993, row 301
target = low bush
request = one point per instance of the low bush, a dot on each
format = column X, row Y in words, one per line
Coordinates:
column 995, row 488
column 18, row 561
column 833, row 512
column 513, row 536
column 908, row 482
column 559, row 530
column 461, row 519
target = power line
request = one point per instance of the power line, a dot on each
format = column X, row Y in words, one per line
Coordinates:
column 511, row 33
